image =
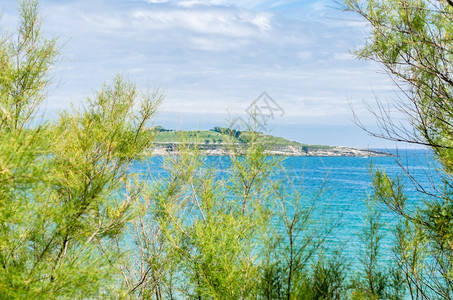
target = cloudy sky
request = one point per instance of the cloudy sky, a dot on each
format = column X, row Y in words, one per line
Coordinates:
column 217, row 56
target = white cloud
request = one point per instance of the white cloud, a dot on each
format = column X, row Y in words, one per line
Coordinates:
column 249, row 4
column 218, row 22
column 190, row 3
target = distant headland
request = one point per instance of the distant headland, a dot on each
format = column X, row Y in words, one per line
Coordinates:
column 221, row 141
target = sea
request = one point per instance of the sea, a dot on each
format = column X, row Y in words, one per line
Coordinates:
column 346, row 183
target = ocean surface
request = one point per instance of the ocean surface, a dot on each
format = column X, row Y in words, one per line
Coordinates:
column 347, row 183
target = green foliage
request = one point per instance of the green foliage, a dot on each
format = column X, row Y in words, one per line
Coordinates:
column 64, row 187
column 412, row 40
column 227, row 131
column 230, row 232
column 161, row 129
column 217, row 224
column 327, row 279
column 25, row 62
column 377, row 279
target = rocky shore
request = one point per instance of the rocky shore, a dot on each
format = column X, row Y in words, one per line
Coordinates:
column 161, row 149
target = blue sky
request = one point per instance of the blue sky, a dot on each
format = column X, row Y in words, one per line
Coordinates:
column 216, row 56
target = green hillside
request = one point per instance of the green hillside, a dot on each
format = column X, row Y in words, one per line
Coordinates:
column 192, row 136
column 221, row 136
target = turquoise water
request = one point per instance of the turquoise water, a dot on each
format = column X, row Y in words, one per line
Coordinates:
column 348, row 182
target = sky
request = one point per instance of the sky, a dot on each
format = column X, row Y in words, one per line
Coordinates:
column 214, row 58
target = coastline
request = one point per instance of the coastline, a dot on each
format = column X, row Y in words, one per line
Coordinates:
column 164, row 149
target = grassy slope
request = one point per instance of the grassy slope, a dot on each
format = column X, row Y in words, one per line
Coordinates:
column 212, row 137
column 191, row 136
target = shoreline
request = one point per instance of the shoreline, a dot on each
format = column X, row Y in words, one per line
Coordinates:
column 289, row 151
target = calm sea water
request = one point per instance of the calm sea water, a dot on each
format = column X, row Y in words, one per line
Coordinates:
column 348, row 183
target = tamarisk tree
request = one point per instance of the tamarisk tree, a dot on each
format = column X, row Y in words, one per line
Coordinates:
column 413, row 41
column 64, row 187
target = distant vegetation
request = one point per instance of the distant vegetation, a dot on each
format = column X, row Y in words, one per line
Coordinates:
column 220, row 136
